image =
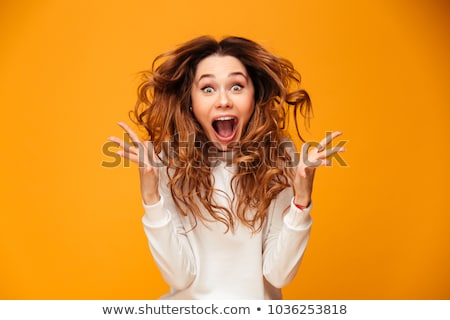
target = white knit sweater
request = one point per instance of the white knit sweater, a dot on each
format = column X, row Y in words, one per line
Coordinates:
column 206, row 263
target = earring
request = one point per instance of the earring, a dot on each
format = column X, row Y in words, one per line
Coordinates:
column 190, row 108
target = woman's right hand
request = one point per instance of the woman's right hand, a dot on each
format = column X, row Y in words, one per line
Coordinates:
column 143, row 154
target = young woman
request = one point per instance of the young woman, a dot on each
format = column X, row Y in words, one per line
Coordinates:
column 227, row 200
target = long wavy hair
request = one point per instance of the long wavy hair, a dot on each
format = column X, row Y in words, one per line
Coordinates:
column 261, row 156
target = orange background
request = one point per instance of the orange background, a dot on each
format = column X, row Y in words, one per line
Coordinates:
column 380, row 72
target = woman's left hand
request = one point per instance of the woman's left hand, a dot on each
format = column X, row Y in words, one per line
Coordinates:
column 310, row 159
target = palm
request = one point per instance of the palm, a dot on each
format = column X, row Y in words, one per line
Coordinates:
column 143, row 154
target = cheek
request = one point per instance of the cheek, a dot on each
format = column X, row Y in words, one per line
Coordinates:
column 200, row 113
column 198, row 101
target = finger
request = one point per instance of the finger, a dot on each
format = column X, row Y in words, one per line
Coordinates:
column 328, row 152
column 320, row 163
column 334, row 150
column 133, row 136
column 123, row 144
column 146, row 154
column 326, row 141
column 131, row 156
column 140, row 160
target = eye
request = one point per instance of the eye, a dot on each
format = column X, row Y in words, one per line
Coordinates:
column 207, row 89
column 236, row 87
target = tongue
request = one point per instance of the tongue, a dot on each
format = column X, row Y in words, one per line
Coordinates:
column 224, row 128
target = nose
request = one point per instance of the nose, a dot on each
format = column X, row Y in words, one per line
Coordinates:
column 224, row 100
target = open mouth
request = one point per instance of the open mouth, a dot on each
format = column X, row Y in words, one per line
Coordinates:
column 225, row 127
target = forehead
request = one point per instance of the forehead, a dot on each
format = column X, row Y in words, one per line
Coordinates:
column 216, row 65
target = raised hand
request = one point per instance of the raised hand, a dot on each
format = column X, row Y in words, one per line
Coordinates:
column 143, row 154
column 310, row 159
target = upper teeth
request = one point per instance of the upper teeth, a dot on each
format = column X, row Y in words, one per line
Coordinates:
column 224, row 118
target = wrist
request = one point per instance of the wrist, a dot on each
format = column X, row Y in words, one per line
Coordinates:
column 302, row 203
column 150, row 199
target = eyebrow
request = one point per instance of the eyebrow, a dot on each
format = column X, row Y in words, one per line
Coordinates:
column 237, row 73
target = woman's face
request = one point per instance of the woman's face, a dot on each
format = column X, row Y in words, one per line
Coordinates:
column 222, row 99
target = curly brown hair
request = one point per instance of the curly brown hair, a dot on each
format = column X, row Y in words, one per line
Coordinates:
column 162, row 108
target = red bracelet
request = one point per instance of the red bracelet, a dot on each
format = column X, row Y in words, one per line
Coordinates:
column 300, row 206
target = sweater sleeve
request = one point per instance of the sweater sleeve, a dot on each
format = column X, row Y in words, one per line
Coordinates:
column 169, row 245
column 287, row 235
